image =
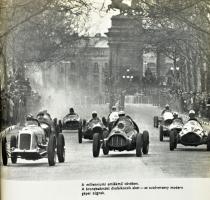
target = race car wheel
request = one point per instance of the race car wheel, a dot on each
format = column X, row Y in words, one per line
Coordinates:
column 13, row 144
column 208, row 142
column 4, row 151
column 176, row 138
column 60, row 148
column 51, row 150
column 96, row 145
column 105, row 150
column 145, row 136
column 139, row 145
column 172, row 140
column 84, row 122
column 80, row 135
column 155, row 121
column 161, row 133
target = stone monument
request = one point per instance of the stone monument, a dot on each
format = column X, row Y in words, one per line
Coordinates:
column 126, row 40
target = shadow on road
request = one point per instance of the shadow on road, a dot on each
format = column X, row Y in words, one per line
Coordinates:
column 33, row 165
column 123, row 155
column 190, row 150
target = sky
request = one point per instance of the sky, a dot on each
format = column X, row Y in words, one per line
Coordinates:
column 100, row 21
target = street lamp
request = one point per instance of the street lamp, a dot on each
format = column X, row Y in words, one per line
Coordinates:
column 127, row 77
column 145, row 66
column 176, row 73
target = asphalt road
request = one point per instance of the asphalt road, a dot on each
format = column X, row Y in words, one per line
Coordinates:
column 184, row 162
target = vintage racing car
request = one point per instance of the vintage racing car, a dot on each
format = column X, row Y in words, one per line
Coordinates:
column 123, row 136
column 34, row 141
column 165, row 122
column 176, row 125
column 192, row 134
column 90, row 128
column 72, row 122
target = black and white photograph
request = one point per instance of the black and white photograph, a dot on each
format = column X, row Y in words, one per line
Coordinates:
column 105, row 99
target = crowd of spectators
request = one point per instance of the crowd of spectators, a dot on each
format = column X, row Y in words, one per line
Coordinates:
column 17, row 99
column 179, row 100
column 184, row 101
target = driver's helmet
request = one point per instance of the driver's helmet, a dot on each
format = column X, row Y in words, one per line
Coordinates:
column 71, row 110
column 114, row 108
column 94, row 114
column 167, row 107
column 192, row 114
column 175, row 114
column 121, row 113
column 29, row 117
column 40, row 114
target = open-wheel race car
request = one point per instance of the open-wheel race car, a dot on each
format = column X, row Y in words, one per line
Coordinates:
column 90, row 128
column 192, row 134
column 165, row 122
column 72, row 122
column 176, row 126
column 34, row 141
column 123, row 136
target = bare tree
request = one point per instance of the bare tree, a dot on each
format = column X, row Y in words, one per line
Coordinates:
column 38, row 25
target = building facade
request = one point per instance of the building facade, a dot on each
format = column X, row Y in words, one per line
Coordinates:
column 81, row 72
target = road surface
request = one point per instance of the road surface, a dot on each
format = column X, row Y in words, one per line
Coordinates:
column 184, row 162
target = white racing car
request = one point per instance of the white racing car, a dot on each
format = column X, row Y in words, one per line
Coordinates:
column 166, row 121
column 35, row 141
column 192, row 134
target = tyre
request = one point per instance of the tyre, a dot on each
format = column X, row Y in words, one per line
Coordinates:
column 104, row 121
column 4, row 151
column 13, row 144
column 105, row 150
column 84, row 122
column 96, row 145
column 80, row 135
column 172, row 140
column 145, row 136
column 139, row 145
column 51, row 150
column 161, row 133
column 176, row 138
column 155, row 121
column 208, row 142
column 60, row 148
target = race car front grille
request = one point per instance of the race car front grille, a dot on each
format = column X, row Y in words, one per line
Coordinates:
column 117, row 141
column 72, row 124
column 25, row 141
column 190, row 138
column 168, row 122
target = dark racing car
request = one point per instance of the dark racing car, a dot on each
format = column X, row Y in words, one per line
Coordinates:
column 124, row 136
column 90, row 128
column 72, row 122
